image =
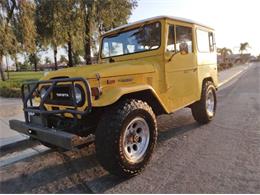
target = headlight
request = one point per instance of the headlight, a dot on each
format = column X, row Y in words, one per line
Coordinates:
column 43, row 92
column 78, row 95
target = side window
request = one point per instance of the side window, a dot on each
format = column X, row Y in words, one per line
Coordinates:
column 184, row 39
column 171, row 39
column 205, row 41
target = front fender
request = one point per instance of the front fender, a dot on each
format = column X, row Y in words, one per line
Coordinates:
column 112, row 95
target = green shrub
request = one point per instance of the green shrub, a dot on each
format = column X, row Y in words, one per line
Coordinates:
column 12, row 88
column 10, row 92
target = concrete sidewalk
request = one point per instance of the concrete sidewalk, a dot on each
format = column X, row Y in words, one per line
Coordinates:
column 11, row 108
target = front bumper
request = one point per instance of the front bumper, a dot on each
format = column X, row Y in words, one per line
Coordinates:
column 35, row 124
column 55, row 137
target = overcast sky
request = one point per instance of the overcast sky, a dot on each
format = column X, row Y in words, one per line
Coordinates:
column 235, row 21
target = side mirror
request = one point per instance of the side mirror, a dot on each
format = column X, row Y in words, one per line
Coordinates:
column 184, row 48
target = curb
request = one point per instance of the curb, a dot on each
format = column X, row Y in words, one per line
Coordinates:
column 233, row 76
column 20, row 145
column 17, row 156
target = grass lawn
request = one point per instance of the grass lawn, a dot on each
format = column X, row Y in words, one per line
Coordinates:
column 12, row 86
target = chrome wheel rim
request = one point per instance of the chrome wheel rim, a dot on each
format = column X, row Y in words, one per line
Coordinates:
column 136, row 140
column 210, row 103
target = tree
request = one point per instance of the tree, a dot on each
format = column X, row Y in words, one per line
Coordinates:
column 17, row 28
column 102, row 16
column 74, row 23
column 48, row 26
column 47, row 60
column 26, row 65
column 243, row 47
column 7, row 38
column 76, row 57
column 63, row 59
column 34, row 59
column 59, row 23
column 16, row 63
column 27, row 18
column 224, row 52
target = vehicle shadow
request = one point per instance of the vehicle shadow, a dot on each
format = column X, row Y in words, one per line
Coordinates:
column 78, row 172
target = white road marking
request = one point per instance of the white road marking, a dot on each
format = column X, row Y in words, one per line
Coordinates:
column 233, row 76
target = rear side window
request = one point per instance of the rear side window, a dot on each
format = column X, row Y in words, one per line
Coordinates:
column 211, row 42
column 205, row 41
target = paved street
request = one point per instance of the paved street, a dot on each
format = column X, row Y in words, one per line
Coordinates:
column 221, row 157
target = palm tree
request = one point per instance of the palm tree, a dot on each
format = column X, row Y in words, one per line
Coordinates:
column 243, row 47
column 224, row 52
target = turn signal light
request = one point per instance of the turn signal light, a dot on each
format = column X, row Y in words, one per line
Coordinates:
column 96, row 92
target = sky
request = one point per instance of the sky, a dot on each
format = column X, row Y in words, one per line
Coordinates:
column 235, row 21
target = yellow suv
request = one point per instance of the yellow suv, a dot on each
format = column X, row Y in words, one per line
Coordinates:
column 147, row 68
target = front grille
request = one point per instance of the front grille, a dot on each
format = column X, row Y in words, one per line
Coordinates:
column 62, row 93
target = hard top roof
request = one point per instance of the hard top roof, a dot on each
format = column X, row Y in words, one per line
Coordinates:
column 158, row 18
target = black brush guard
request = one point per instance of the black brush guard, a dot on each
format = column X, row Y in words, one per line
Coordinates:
column 41, row 132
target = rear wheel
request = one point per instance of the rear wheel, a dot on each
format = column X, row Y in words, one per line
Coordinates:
column 126, row 137
column 204, row 110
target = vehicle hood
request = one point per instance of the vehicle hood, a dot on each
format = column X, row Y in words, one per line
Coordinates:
column 104, row 70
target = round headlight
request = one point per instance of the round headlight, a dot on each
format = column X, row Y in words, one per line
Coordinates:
column 43, row 92
column 78, row 95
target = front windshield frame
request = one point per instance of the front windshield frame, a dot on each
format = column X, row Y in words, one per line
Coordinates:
column 132, row 29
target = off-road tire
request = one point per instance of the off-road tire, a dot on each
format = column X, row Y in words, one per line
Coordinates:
column 109, row 132
column 199, row 110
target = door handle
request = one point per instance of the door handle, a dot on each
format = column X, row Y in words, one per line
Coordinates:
column 189, row 70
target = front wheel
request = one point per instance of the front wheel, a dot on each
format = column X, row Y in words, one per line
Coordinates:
column 126, row 137
column 204, row 110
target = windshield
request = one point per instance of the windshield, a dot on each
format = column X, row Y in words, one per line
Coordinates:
column 144, row 38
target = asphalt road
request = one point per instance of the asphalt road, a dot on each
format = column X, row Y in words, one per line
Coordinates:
column 221, row 157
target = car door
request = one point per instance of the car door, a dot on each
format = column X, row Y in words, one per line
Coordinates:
column 180, row 66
